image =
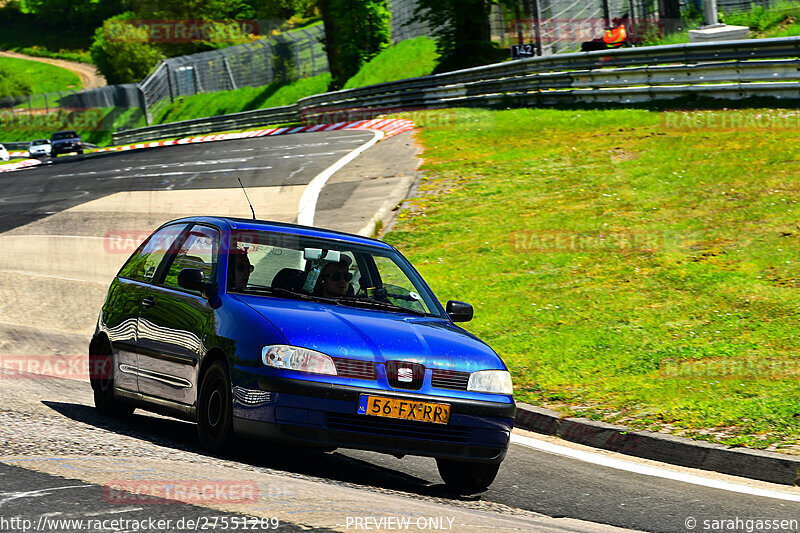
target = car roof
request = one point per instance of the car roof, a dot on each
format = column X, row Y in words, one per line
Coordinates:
column 293, row 229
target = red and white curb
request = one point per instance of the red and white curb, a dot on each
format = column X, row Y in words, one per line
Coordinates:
column 389, row 126
column 19, row 164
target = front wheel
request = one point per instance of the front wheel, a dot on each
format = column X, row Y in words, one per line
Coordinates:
column 215, row 409
column 467, row 478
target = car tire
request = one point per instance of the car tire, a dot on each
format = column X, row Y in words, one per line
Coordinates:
column 80, row 152
column 103, row 385
column 467, row 478
column 215, row 409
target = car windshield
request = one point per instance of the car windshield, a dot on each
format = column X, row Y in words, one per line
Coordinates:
column 39, row 142
column 64, row 135
column 269, row 264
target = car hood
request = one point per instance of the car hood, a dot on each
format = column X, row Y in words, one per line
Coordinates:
column 380, row 336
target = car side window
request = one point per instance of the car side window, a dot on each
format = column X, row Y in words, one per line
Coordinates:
column 143, row 264
column 200, row 251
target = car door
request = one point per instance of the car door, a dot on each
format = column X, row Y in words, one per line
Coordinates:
column 172, row 320
column 121, row 311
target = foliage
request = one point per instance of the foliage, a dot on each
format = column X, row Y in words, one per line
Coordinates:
column 407, row 59
column 461, row 31
column 122, row 60
column 355, row 32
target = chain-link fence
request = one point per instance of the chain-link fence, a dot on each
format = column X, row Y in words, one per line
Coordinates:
column 286, row 57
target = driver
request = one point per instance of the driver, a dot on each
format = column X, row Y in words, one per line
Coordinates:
column 241, row 269
column 334, row 281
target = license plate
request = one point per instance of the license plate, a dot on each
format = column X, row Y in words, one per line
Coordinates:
column 437, row 413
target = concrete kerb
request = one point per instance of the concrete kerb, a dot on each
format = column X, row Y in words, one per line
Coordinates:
column 754, row 464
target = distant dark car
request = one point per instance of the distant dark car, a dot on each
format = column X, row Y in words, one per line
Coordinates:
column 310, row 336
column 64, row 142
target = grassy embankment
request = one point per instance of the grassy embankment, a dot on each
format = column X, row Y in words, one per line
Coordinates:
column 18, row 77
column 625, row 269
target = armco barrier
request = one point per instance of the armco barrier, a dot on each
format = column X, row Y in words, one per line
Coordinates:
column 234, row 121
column 728, row 70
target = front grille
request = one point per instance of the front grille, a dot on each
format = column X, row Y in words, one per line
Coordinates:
column 397, row 429
column 450, row 379
column 353, row 368
column 404, row 375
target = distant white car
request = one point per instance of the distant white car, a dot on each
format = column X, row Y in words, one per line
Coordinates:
column 40, row 148
column 4, row 156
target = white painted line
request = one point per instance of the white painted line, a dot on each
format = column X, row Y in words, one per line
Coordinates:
column 308, row 202
column 647, row 470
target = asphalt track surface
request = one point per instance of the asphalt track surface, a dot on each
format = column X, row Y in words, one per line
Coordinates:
column 67, row 181
column 529, row 481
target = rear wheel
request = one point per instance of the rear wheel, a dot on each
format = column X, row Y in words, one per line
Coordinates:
column 467, row 478
column 215, row 409
column 102, row 380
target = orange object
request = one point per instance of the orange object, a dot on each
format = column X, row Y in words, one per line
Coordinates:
column 616, row 36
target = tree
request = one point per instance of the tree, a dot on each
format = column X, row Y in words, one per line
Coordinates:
column 355, row 32
column 119, row 54
column 461, row 31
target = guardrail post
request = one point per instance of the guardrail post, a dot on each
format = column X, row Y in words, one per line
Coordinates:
column 710, row 15
column 537, row 26
column 143, row 100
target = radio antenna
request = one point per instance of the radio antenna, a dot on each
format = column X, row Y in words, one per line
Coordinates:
column 248, row 198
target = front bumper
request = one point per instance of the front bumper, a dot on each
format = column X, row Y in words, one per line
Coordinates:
column 323, row 414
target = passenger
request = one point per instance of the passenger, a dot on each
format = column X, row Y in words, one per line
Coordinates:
column 334, row 281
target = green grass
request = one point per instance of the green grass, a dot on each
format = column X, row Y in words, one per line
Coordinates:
column 244, row 99
column 625, row 269
column 41, row 77
column 408, row 59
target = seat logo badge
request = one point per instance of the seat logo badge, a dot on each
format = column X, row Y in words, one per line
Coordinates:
column 406, row 375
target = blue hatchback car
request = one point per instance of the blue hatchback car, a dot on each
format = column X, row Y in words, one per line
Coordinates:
column 304, row 335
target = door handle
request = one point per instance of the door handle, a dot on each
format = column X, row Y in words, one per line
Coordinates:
column 148, row 302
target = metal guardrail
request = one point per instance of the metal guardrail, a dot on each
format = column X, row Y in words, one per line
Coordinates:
column 199, row 126
column 728, row 70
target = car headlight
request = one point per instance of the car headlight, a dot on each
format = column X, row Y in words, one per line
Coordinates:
column 491, row 381
column 294, row 358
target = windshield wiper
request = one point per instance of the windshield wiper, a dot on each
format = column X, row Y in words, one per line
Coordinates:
column 277, row 291
column 356, row 301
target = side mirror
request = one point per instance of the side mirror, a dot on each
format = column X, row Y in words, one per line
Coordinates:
column 192, row 279
column 459, row 311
